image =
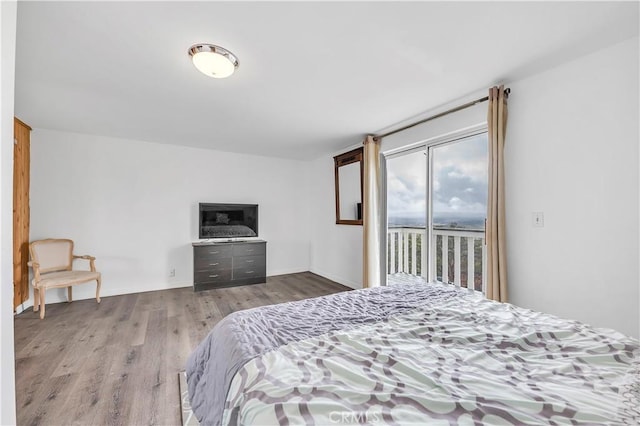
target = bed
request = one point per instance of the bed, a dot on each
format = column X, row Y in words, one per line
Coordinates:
column 411, row 354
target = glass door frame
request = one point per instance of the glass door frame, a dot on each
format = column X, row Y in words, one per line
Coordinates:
column 427, row 146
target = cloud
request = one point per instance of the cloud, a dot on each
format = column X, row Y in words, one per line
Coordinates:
column 407, row 196
column 459, row 192
column 469, row 157
column 459, row 183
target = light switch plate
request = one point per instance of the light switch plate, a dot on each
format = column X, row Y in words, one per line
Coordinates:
column 537, row 219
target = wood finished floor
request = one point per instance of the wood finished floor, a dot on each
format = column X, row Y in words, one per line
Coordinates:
column 116, row 363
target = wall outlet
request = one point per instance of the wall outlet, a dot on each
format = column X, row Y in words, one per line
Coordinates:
column 537, row 219
column 172, row 272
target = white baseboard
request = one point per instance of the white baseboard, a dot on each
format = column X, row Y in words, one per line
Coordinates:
column 59, row 295
column 340, row 280
column 80, row 293
column 287, row 271
column 24, row 306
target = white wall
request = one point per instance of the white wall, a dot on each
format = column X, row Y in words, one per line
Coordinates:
column 134, row 205
column 471, row 117
column 336, row 250
column 7, row 72
column 572, row 153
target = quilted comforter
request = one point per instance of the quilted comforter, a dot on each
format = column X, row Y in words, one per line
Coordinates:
column 412, row 354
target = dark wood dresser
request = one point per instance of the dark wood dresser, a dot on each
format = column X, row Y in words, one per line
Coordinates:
column 227, row 264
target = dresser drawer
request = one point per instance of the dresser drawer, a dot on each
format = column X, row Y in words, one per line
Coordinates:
column 203, row 277
column 256, row 262
column 212, row 263
column 243, row 272
column 249, row 249
column 213, row 252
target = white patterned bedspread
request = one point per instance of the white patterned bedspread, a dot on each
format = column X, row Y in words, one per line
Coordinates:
column 464, row 361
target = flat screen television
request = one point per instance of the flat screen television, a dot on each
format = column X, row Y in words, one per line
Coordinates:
column 227, row 221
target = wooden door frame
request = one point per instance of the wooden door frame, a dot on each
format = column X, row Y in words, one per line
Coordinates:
column 21, row 210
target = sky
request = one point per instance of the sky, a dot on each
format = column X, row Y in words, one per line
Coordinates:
column 460, row 180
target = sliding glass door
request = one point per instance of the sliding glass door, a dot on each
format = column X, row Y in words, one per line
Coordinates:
column 436, row 209
column 407, row 215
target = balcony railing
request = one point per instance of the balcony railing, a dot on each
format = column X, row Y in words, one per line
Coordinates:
column 459, row 255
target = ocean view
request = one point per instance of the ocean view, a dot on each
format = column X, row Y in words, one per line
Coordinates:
column 441, row 220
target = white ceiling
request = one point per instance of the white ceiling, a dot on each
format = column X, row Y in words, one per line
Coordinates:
column 313, row 77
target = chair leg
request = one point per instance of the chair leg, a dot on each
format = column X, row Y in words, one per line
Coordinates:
column 36, row 299
column 69, row 294
column 42, row 292
column 99, row 281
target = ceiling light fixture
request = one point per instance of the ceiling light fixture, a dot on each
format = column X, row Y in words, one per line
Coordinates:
column 214, row 61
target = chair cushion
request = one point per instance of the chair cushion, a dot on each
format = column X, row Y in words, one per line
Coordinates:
column 52, row 255
column 65, row 278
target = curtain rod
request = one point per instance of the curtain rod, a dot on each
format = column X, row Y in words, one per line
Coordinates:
column 433, row 117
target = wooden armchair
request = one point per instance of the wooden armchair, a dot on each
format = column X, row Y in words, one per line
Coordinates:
column 52, row 263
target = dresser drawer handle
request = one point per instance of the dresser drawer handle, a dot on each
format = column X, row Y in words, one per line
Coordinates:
column 249, row 272
column 250, row 261
column 213, row 276
column 249, row 249
column 214, row 264
column 214, row 252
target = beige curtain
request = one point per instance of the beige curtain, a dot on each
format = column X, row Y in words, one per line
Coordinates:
column 371, row 276
column 495, row 229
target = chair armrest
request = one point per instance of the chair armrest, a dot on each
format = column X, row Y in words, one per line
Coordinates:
column 36, row 269
column 91, row 260
column 86, row 256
